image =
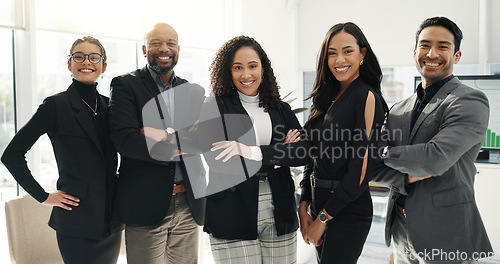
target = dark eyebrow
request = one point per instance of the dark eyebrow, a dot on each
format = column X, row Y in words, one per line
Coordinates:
column 242, row 63
column 346, row 47
column 440, row 42
column 152, row 40
column 445, row 42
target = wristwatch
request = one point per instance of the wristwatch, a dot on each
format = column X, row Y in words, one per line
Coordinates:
column 323, row 217
column 384, row 153
column 170, row 134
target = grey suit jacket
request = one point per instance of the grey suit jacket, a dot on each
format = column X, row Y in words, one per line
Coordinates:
column 445, row 140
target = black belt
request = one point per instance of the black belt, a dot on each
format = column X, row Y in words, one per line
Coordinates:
column 326, row 184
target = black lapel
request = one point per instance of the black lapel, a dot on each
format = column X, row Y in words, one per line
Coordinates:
column 275, row 120
column 148, row 81
column 82, row 117
column 239, row 109
column 109, row 148
column 236, row 103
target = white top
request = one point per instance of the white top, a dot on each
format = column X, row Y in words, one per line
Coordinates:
column 261, row 121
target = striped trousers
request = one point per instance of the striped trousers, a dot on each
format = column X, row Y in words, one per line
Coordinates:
column 267, row 248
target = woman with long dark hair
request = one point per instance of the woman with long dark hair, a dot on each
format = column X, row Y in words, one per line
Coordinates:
column 346, row 114
column 76, row 123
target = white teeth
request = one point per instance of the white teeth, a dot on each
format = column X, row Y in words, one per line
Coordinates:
column 86, row 70
column 342, row 69
column 164, row 58
column 247, row 83
column 432, row 64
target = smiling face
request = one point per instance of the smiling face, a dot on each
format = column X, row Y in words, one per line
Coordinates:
column 435, row 54
column 246, row 71
column 86, row 72
column 344, row 57
column 162, row 49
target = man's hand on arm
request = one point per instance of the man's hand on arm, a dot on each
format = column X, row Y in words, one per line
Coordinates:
column 157, row 134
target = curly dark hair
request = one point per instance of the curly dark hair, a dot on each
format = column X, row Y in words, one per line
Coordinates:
column 221, row 80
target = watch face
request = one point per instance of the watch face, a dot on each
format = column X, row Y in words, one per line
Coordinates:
column 170, row 130
column 323, row 217
column 384, row 153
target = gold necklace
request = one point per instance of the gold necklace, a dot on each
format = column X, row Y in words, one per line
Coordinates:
column 95, row 111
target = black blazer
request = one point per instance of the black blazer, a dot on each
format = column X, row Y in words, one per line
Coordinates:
column 232, row 213
column 87, row 169
column 145, row 184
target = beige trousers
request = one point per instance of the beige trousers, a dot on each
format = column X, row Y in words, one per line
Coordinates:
column 173, row 241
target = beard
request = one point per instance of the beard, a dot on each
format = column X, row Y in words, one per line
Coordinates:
column 157, row 68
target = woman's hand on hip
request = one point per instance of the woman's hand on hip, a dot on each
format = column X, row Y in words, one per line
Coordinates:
column 61, row 199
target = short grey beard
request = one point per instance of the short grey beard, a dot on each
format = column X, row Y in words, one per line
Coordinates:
column 160, row 69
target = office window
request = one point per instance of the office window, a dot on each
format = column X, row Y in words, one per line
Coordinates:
column 193, row 66
column 6, row 13
column 7, row 122
column 495, row 68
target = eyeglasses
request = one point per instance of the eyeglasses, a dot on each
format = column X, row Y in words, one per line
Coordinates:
column 80, row 57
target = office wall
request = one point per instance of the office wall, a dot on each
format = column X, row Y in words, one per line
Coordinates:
column 273, row 24
column 494, row 28
column 390, row 26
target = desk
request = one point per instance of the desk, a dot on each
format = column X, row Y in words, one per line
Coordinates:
column 487, row 190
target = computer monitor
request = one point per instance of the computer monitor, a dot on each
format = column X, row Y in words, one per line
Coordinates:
column 490, row 86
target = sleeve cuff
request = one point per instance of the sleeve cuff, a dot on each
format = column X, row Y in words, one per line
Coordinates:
column 256, row 153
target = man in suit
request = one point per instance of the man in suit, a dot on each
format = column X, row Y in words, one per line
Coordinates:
column 434, row 139
column 154, row 195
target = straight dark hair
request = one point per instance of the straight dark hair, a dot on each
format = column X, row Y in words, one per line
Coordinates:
column 326, row 86
column 442, row 22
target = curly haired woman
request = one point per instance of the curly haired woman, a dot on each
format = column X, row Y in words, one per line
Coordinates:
column 254, row 221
